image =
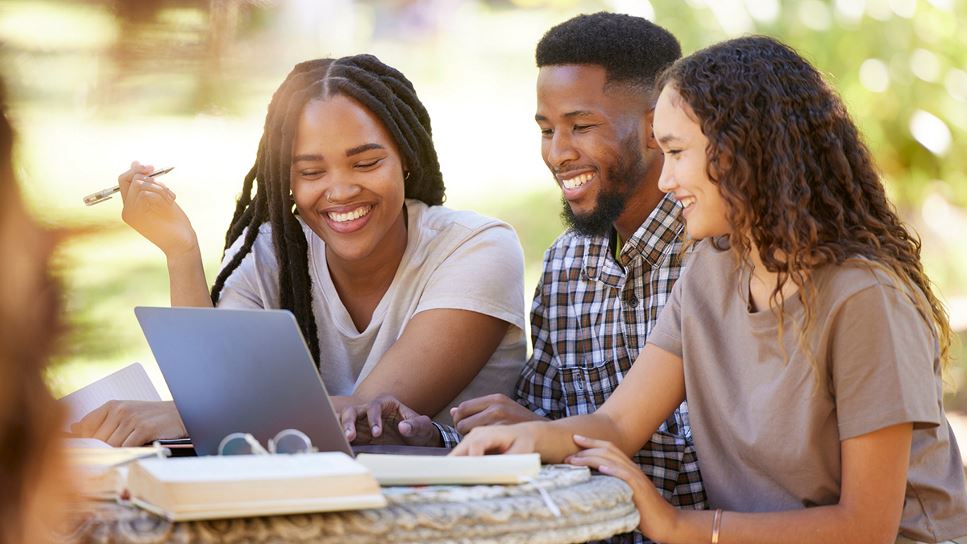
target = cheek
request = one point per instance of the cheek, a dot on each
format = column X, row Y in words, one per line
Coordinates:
column 545, row 150
column 390, row 186
column 305, row 194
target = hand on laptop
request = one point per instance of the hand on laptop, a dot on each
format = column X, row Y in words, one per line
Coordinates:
column 496, row 409
column 386, row 420
column 131, row 423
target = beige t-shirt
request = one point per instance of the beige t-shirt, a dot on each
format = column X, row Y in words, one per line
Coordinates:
column 453, row 259
column 767, row 438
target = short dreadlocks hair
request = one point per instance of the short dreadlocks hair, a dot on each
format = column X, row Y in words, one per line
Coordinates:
column 631, row 49
column 382, row 90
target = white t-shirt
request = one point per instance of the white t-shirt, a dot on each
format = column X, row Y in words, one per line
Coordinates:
column 453, row 259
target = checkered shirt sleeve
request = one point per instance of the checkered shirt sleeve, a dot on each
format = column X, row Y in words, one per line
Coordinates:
column 448, row 435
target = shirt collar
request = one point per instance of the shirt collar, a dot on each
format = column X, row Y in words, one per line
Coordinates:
column 652, row 242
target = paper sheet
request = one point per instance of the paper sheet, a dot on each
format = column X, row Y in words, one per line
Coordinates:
column 129, row 383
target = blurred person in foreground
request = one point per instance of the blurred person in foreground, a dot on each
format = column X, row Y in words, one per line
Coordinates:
column 804, row 331
column 32, row 465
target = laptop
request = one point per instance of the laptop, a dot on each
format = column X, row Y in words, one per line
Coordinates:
column 240, row 371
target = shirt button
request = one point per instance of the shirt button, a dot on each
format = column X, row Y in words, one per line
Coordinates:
column 633, row 302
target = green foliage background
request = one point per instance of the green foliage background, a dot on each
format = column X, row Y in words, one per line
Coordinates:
column 95, row 84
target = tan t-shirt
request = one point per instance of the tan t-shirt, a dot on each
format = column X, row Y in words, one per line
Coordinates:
column 453, row 259
column 767, row 438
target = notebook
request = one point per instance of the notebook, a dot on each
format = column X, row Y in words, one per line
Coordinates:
column 128, row 383
column 434, row 470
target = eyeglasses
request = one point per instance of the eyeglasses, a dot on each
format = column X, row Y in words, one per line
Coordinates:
column 288, row 441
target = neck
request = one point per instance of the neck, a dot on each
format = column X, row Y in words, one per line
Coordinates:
column 640, row 204
column 374, row 273
column 759, row 272
column 763, row 282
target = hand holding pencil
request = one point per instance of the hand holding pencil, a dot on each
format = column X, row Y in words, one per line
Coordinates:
column 105, row 194
column 150, row 209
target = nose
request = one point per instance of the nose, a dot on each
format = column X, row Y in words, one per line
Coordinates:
column 559, row 150
column 342, row 191
column 666, row 181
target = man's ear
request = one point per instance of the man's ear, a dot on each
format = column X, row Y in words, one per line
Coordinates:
column 649, row 131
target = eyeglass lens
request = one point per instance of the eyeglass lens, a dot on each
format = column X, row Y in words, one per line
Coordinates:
column 292, row 441
column 236, row 445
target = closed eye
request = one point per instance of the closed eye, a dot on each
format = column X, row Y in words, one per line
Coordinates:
column 368, row 165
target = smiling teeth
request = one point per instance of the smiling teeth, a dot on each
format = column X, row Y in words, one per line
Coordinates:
column 576, row 181
column 686, row 202
column 349, row 216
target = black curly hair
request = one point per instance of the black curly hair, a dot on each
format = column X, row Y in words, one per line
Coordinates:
column 631, row 49
column 381, row 89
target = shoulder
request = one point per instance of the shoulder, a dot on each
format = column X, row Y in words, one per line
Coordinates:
column 447, row 228
column 566, row 249
column 705, row 257
column 262, row 245
column 859, row 279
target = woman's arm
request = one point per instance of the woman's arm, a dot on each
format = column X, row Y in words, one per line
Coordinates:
column 869, row 510
column 651, row 390
column 150, row 209
column 437, row 356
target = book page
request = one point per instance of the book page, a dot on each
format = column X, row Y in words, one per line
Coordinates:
column 129, row 383
column 232, row 468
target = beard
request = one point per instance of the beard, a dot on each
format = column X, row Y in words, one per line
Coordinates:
column 624, row 176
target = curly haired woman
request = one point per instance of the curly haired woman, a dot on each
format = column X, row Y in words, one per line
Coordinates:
column 804, row 331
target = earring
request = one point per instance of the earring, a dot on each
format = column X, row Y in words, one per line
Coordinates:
column 406, row 175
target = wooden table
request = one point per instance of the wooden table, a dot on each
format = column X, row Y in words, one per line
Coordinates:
column 590, row 507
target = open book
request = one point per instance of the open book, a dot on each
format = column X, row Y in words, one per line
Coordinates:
column 434, row 470
column 190, row 488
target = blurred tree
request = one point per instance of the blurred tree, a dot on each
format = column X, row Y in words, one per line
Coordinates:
column 899, row 65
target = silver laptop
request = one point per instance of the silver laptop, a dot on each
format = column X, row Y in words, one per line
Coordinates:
column 240, row 371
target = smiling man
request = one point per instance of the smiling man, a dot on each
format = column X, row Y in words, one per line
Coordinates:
column 606, row 278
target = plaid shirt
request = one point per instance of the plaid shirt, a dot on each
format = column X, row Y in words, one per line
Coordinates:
column 589, row 321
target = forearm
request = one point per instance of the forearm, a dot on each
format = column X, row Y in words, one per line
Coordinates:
column 555, row 439
column 187, row 282
column 812, row 525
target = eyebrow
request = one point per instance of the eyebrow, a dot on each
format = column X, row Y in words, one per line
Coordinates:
column 349, row 153
column 669, row 138
column 568, row 115
column 361, row 148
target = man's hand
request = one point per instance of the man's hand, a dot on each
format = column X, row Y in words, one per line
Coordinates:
column 386, row 420
column 496, row 409
column 131, row 423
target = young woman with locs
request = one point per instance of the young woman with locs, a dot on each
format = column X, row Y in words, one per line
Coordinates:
column 340, row 222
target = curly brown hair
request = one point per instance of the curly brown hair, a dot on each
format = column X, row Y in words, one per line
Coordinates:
column 796, row 176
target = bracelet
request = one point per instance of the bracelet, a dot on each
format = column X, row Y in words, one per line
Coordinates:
column 716, row 525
